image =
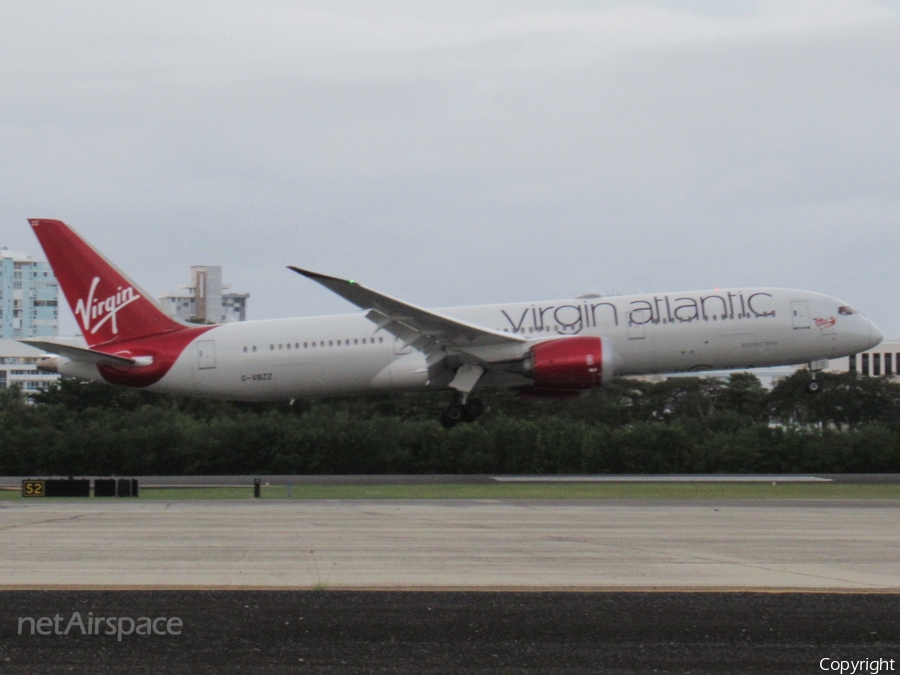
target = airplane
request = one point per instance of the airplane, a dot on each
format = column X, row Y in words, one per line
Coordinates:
column 553, row 349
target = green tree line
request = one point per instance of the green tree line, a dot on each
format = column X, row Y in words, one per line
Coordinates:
column 681, row 425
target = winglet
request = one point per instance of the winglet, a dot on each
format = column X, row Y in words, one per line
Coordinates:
column 315, row 276
column 346, row 288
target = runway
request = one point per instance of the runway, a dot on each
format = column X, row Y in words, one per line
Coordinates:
column 450, row 544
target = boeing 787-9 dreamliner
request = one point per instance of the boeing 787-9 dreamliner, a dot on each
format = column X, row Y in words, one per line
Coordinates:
column 544, row 349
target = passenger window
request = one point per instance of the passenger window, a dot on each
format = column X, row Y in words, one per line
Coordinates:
column 245, row 350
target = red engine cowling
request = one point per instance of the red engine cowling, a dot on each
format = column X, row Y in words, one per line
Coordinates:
column 568, row 364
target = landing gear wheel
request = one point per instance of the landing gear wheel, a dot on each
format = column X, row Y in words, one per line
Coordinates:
column 813, row 387
column 453, row 415
column 473, row 409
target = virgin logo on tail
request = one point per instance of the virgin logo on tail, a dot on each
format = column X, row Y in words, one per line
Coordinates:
column 95, row 313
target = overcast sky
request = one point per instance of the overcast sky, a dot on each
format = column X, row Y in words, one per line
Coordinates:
column 462, row 153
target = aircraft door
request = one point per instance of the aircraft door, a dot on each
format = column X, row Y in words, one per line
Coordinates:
column 206, row 354
column 638, row 354
column 800, row 313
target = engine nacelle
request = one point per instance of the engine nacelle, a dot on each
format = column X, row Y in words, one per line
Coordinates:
column 571, row 364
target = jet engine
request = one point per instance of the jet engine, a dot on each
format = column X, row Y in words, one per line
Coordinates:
column 570, row 365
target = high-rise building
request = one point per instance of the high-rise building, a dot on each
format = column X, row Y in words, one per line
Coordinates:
column 29, row 296
column 18, row 367
column 205, row 300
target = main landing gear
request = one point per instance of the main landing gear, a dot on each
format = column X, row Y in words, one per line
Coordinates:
column 463, row 408
column 460, row 411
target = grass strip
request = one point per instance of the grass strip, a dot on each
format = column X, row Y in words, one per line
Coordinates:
column 698, row 491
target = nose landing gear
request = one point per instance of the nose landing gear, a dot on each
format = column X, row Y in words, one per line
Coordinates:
column 813, row 386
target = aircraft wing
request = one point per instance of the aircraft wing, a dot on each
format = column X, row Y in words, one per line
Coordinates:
column 79, row 353
column 422, row 329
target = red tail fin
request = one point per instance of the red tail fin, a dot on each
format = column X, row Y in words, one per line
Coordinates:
column 108, row 306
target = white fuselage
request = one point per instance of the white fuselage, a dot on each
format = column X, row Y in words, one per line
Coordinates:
column 665, row 332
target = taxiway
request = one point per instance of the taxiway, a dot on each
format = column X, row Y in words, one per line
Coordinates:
column 450, row 544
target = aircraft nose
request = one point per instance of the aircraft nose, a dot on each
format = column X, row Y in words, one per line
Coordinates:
column 876, row 335
column 862, row 334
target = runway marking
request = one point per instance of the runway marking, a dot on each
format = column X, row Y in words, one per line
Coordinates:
column 678, row 555
column 5, row 528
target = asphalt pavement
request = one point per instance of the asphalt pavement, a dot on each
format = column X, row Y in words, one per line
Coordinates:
column 451, row 633
column 469, row 479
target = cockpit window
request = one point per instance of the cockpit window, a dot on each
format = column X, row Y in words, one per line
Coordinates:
column 846, row 311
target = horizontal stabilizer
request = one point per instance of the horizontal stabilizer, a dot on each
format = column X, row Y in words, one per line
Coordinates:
column 80, row 353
